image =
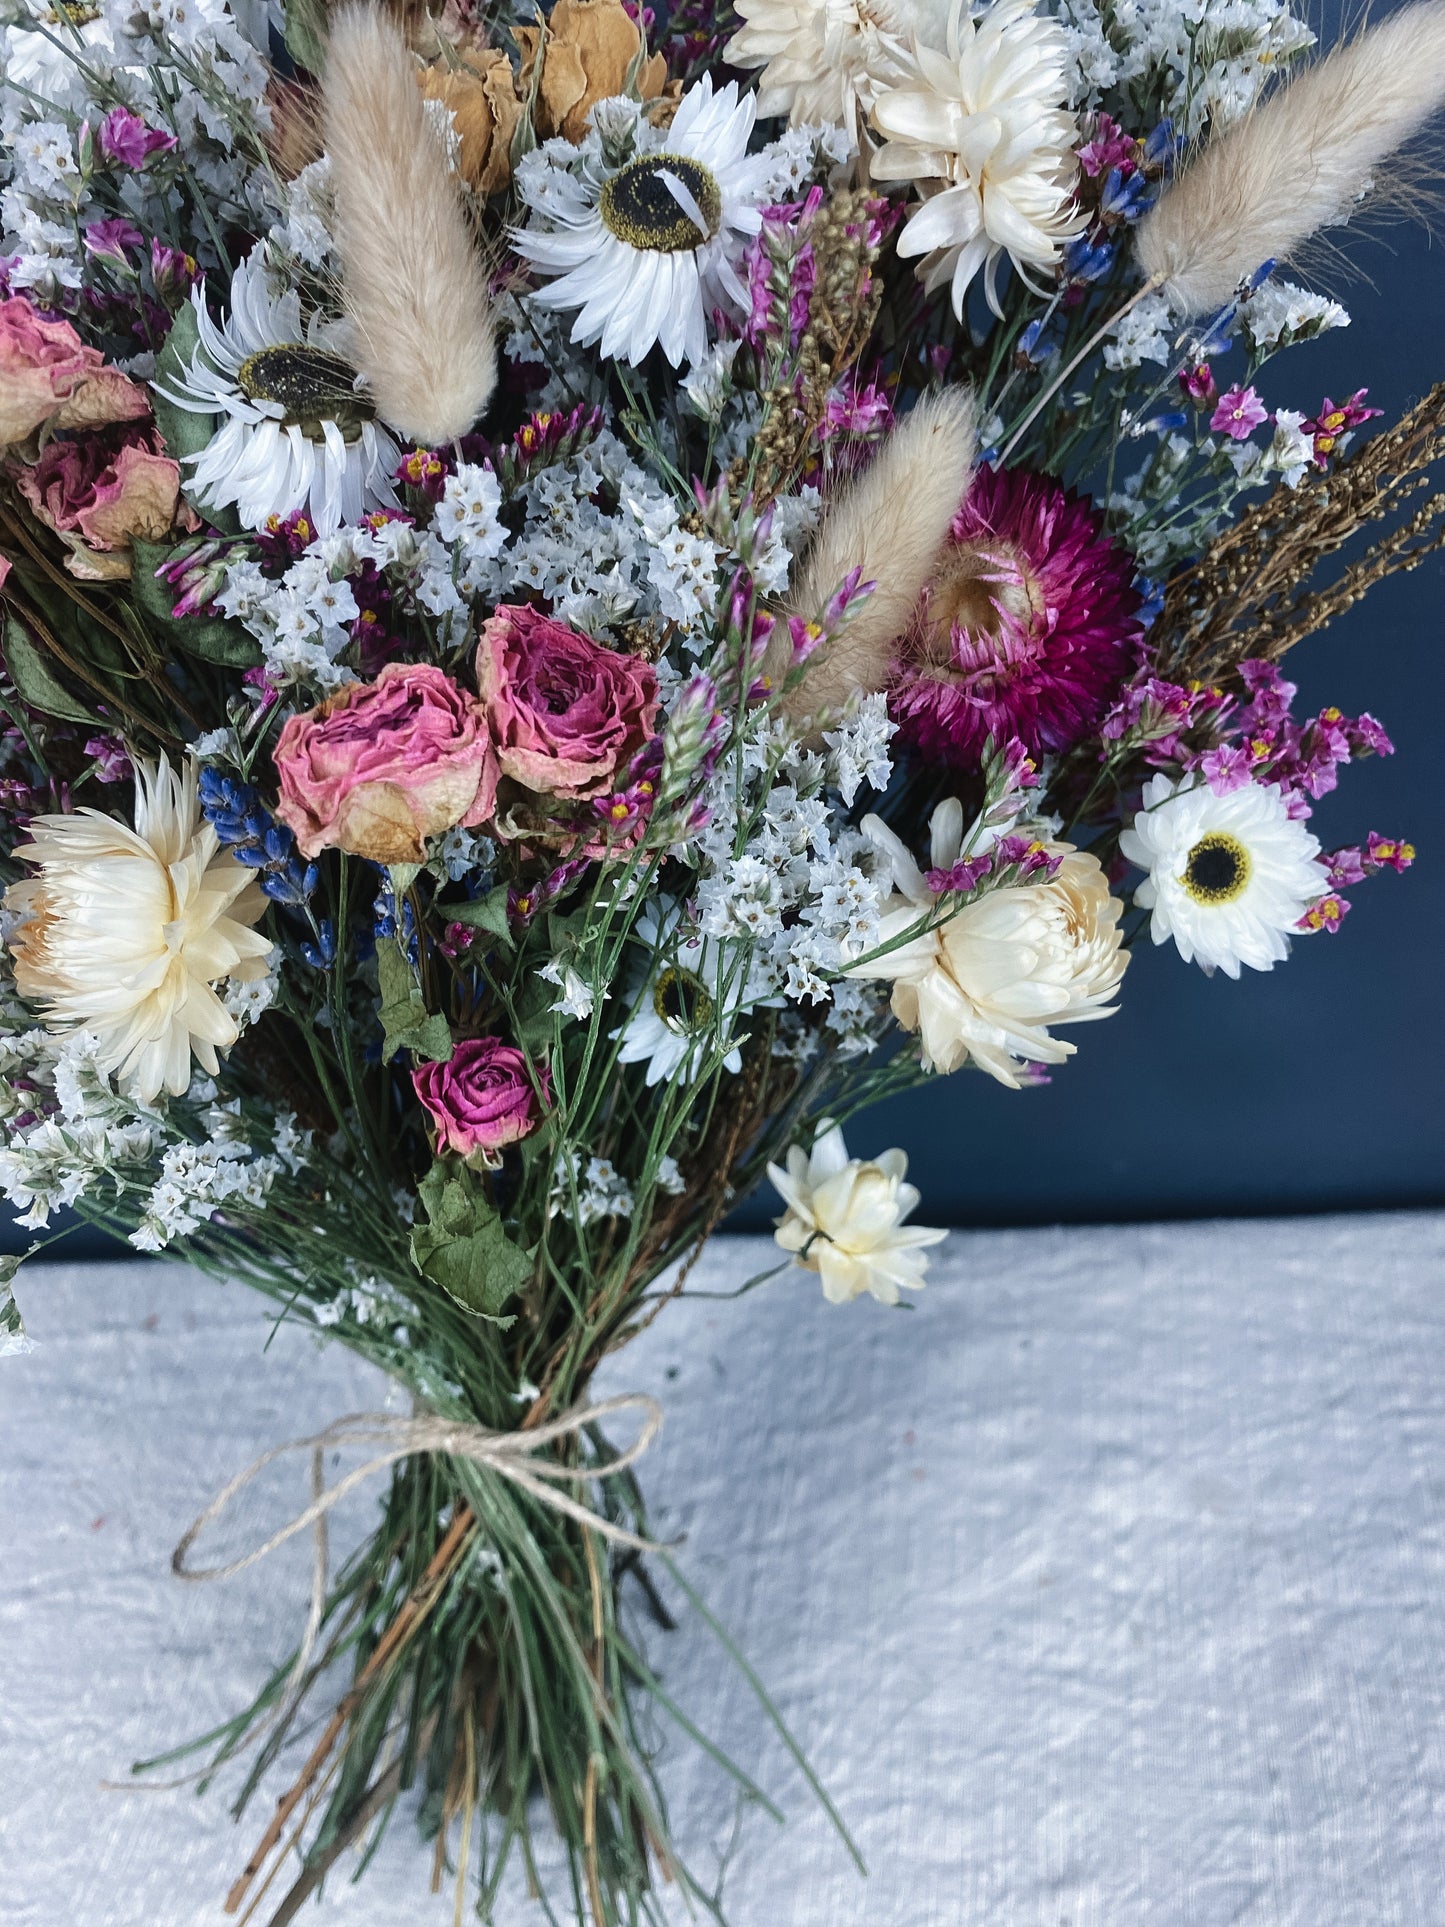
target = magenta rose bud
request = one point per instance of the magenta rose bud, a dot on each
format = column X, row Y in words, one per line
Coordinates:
column 481, row 1099
column 566, row 714
column 379, row 767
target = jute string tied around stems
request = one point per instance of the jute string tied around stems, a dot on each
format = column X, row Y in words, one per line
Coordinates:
column 511, row 1455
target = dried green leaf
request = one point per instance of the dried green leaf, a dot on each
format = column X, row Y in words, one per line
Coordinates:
column 34, row 681
column 464, row 1247
column 405, row 1021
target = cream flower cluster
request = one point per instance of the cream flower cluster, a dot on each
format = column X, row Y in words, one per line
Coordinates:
column 126, row 932
column 970, row 109
column 845, row 1220
column 985, row 983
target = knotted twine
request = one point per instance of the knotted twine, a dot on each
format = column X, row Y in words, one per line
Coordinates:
column 511, row 1455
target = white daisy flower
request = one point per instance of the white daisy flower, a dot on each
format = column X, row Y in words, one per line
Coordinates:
column 983, row 133
column 691, row 999
column 845, row 1220
column 126, row 933
column 646, row 250
column 297, row 432
column 1229, row 876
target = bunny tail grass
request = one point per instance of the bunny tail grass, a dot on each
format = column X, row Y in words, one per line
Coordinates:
column 415, row 287
column 1298, row 163
column 890, row 523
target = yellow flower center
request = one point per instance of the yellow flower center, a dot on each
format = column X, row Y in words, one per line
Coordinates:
column 639, row 205
column 311, row 384
column 681, row 1002
column 1217, row 871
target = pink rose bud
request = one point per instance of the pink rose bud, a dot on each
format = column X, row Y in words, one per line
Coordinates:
column 48, row 377
column 565, row 713
column 481, row 1099
column 379, row 767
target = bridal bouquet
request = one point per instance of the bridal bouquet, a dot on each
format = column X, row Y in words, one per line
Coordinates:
column 583, row 597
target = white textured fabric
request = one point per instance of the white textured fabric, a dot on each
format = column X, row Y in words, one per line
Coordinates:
column 1104, row 1589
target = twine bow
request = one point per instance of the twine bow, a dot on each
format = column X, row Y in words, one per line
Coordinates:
column 511, row 1455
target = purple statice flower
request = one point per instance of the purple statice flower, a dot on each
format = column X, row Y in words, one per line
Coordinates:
column 112, row 239
column 1027, row 630
column 125, row 139
column 425, row 470
column 1026, row 854
column 111, row 758
column 779, row 268
column 1327, row 914
column 1388, row 853
column 856, row 410
column 175, row 273
column 960, row 877
column 1334, row 422
column 1230, row 767
column 1108, row 147
column 1238, row 413
column 284, row 538
column 1198, row 385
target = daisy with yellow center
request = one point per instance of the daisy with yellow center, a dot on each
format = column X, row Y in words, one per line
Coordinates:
column 1228, row 876
column 126, row 933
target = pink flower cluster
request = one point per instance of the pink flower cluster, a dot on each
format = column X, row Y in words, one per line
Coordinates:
column 379, row 767
column 1267, row 745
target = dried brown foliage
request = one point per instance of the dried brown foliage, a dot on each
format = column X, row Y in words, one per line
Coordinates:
column 1253, row 592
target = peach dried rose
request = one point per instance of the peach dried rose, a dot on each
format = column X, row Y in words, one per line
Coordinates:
column 590, row 46
column 480, row 90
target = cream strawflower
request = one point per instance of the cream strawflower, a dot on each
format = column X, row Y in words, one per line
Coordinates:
column 124, row 933
column 1229, row 876
column 983, row 133
column 845, row 1220
column 986, row 984
column 824, row 62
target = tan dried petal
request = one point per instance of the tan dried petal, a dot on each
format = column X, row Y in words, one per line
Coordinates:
column 590, row 46
column 480, row 93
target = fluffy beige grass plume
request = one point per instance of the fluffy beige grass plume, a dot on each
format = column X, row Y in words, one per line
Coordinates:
column 890, row 522
column 415, row 286
column 1300, row 162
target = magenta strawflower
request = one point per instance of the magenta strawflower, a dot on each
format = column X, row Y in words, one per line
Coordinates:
column 1027, row 631
column 1239, row 413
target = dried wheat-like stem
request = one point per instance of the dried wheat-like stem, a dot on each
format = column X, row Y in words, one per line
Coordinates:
column 415, row 286
column 1302, row 161
column 1252, row 592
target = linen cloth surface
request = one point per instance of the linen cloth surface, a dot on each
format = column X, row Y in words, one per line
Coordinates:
column 1103, row 1588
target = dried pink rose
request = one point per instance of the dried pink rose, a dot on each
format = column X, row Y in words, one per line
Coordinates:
column 379, row 767
column 101, row 492
column 566, row 714
column 49, row 378
column 481, row 1099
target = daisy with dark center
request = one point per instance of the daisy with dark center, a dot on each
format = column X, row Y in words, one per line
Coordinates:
column 1027, row 629
column 296, row 432
column 1228, row 876
column 645, row 251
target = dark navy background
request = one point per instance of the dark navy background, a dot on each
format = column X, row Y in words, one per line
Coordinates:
column 1317, row 1086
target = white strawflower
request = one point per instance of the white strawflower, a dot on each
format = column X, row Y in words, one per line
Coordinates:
column 689, row 1002
column 296, row 432
column 982, row 131
column 824, row 62
column 845, row 1220
column 986, row 984
column 644, row 252
column 1229, row 876
column 125, row 933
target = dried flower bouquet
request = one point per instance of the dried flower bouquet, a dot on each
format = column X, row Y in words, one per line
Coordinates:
column 583, row 598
